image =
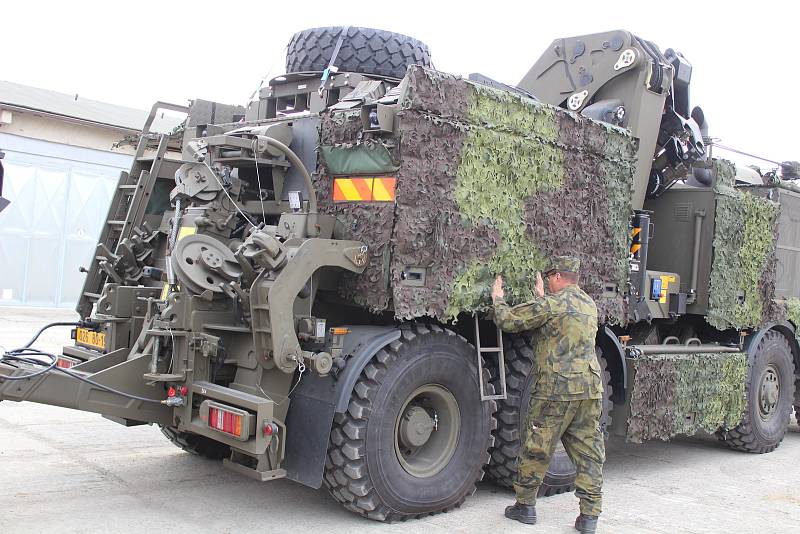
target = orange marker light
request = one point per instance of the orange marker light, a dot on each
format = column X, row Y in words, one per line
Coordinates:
column 340, row 331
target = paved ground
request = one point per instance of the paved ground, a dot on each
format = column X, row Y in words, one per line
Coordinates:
column 67, row 471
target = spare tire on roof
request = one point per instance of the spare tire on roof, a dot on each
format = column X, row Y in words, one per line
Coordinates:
column 363, row 50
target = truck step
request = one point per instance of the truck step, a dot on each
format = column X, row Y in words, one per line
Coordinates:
column 261, row 476
column 501, row 363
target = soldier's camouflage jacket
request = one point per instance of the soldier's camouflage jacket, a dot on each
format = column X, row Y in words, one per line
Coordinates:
column 564, row 325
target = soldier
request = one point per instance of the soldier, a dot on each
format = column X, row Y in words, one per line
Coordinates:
column 566, row 401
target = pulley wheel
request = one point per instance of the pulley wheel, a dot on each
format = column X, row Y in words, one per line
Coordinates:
column 203, row 263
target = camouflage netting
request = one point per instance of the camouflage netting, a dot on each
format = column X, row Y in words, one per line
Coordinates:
column 685, row 394
column 792, row 306
column 788, row 309
column 368, row 222
column 742, row 281
column 489, row 183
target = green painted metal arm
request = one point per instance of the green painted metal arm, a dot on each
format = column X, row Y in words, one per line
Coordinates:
column 272, row 300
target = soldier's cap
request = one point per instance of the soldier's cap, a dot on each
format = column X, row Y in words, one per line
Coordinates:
column 564, row 264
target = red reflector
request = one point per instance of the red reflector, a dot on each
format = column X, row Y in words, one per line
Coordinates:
column 225, row 421
column 184, row 390
column 268, row 429
column 66, row 363
column 171, row 392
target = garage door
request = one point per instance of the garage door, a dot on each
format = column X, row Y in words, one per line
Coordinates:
column 59, row 198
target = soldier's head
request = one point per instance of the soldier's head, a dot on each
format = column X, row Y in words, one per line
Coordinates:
column 563, row 271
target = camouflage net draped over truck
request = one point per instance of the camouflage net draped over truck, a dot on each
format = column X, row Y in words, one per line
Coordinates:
column 792, row 306
column 686, row 393
column 742, row 281
column 488, row 182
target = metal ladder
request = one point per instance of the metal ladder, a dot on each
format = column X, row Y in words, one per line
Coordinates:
column 127, row 208
column 501, row 362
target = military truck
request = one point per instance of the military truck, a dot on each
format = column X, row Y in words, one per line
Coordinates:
column 300, row 286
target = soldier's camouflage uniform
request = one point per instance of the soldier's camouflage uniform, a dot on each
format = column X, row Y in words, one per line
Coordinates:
column 566, row 400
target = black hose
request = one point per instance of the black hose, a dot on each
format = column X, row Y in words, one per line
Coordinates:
column 104, row 387
column 51, row 325
column 22, row 355
column 18, row 355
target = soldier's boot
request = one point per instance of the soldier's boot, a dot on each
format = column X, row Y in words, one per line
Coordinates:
column 586, row 524
column 524, row 513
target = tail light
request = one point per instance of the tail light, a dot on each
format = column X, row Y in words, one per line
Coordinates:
column 225, row 421
column 231, row 421
column 65, row 362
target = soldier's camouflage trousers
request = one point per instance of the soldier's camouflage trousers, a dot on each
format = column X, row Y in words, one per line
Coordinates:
column 577, row 424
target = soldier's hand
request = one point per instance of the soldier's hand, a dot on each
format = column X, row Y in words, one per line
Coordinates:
column 497, row 289
column 539, row 288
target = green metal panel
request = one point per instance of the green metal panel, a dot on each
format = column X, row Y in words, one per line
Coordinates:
column 787, row 283
column 673, row 219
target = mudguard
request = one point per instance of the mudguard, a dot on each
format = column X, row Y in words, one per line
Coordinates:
column 317, row 399
column 615, row 358
column 784, row 327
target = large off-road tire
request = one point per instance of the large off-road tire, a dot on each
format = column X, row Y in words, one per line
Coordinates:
column 384, row 461
column 363, row 50
column 511, row 414
column 196, row 444
column 770, row 394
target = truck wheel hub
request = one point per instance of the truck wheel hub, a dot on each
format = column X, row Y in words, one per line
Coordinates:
column 426, row 432
column 416, row 427
column 769, row 393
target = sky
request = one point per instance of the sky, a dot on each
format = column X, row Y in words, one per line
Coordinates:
column 745, row 74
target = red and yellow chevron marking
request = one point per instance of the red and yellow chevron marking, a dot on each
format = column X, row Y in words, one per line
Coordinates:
column 372, row 189
column 635, row 246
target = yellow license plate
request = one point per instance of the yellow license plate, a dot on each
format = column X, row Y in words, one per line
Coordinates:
column 91, row 338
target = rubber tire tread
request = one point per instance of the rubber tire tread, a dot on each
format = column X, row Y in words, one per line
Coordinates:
column 196, row 444
column 347, row 476
column 608, row 392
column 743, row 437
column 363, row 50
column 503, row 464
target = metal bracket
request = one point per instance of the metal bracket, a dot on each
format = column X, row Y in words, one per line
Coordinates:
column 575, row 101
column 626, row 59
column 501, row 362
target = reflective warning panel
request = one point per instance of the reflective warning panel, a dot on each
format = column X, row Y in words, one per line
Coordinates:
column 369, row 189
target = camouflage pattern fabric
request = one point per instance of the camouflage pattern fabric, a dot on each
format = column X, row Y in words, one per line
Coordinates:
column 565, row 326
column 742, row 280
column 488, row 182
column 577, row 424
column 686, row 393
